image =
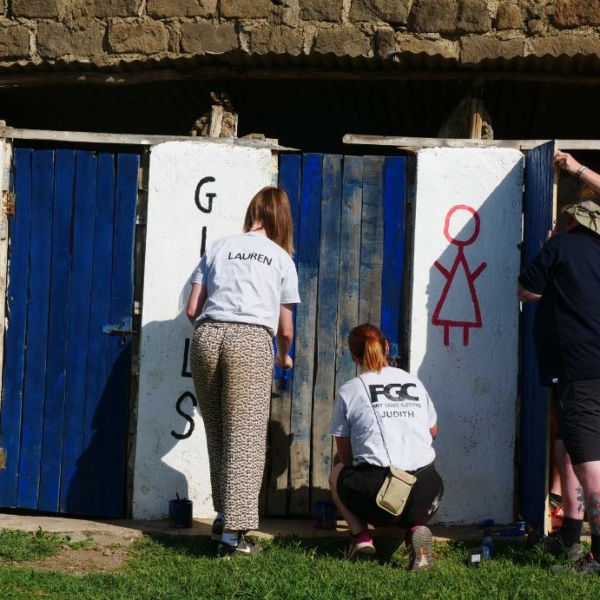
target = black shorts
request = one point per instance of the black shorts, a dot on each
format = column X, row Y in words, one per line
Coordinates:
column 578, row 416
column 357, row 487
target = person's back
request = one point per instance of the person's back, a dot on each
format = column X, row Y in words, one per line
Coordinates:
column 566, row 274
column 384, row 423
column 392, row 405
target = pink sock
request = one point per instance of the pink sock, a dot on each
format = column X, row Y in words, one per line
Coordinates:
column 362, row 537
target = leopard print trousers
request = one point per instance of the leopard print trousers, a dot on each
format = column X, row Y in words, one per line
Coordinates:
column 232, row 366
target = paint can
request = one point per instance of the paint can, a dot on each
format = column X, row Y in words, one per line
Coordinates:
column 180, row 513
column 324, row 514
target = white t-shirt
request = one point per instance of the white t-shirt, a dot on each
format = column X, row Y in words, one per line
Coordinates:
column 405, row 413
column 247, row 278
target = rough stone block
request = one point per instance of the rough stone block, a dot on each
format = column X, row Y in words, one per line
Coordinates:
column 197, row 38
column 563, row 44
column 276, row 39
column 385, row 41
column 2, row 7
column 415, row 45
column 389, row 11
column 246, row 9
column 509, row 16
column 473, row 16
column 141, row 37
column 56, row 39
column 537, row 26
column 164, row 9
column 14, row 42
column 474, row 49
column 37, row 9
column 317, row 10
column 433, row 16
column 108, row 8
column 576, row 13
column 343, row 41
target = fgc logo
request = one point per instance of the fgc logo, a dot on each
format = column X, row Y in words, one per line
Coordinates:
column 393, row 391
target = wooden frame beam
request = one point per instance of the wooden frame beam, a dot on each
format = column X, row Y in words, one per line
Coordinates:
column 83, row 137
column 417, row 143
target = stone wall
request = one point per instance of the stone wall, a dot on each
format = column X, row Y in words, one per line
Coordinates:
column 107, row 31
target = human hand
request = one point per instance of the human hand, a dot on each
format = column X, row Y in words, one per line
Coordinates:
column 566, row 162
column 284, row 363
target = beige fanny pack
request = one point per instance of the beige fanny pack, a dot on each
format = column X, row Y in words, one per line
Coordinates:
column 394, row 492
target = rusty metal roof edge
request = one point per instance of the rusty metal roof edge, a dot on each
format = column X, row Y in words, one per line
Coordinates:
column 393, row 61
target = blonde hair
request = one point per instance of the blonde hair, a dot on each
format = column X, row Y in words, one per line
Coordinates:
column 368, row 345
column 271, row 208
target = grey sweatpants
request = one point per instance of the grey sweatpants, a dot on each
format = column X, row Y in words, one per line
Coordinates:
column 232, row 366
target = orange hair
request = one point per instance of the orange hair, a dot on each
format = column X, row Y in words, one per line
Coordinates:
column 369, row 346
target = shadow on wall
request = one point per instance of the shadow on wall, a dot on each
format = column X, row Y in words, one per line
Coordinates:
column 469, row 359
column 170, row 435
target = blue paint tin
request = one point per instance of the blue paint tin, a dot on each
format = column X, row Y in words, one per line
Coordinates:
column 180, row 513
column 324, row 514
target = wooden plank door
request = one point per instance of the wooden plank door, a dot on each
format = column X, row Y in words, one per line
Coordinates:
column 66, row 379
column 538, row 214
column 349, row 232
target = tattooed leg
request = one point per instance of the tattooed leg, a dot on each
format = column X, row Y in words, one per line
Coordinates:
column 589, row 476
column 572, row 492
column 593, row 509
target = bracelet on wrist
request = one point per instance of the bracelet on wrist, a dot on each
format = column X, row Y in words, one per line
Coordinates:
column 580, row 171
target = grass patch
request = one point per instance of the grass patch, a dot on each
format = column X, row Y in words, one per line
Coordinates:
column 178, row 568
column 22, row 545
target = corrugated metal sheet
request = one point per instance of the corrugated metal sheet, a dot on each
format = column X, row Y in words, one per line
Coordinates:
column 307, row 102
column 400, row 61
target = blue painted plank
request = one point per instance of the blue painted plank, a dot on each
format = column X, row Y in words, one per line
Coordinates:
column 326, row 339
column 537, row 221
column 371, row 246
column 58, row 327
column 79, row 314
column 14, row 356
column 36, row 337
column 116, row 400
column 394, row 204
column 277, row 492
column 95, row 435
column 349, row 265
column 302, row 392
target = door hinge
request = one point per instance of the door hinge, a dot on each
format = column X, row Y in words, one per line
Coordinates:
column 2, row 458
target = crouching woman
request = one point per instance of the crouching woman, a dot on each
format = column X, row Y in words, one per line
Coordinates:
column 384, row 417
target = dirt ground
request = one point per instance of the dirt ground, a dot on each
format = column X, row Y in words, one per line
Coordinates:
column 83, row 555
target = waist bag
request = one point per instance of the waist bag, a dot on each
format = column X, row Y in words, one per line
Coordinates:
column 395, row 490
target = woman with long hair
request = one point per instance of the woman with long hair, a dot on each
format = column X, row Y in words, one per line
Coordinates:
column 242, row 296
column 381, row 418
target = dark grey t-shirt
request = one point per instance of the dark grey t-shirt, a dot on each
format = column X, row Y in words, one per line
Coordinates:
column 566, row 273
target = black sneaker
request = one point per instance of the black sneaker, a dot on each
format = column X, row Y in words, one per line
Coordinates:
column 555, row 545
column 245, row 548
column 586, row 565
column 418, row 541
column 217, row 529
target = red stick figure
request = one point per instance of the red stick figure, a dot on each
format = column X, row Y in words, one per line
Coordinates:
column 460, row 311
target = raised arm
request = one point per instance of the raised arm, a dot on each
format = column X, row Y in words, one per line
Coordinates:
column 567, row 163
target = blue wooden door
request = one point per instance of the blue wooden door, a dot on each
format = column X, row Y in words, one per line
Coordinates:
column 349, row 239
column 538, row 214
column 66, row 380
